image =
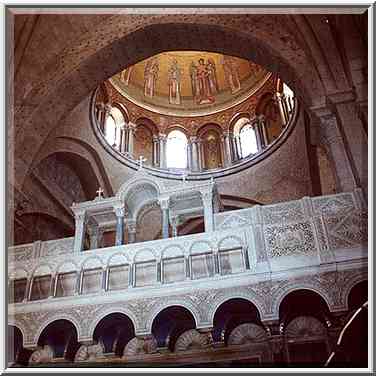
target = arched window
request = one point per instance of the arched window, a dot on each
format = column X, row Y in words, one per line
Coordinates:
column 113, row 125
column 248, row 141
column 176, row 153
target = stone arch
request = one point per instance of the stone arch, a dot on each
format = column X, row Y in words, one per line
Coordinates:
column 148, row 123
column 236, row 238
column 260, row 306
column 132, row 184
column 206, row 242
column 172, row 246
column 17, row 324
column 140, row 252
column 122, row 109
column 254, row 40
column 41, row 265
column 350, row 283
column 59, row 316
column 108, row 311
column 86, row 260
column 173, row 302
column 278, row 298
column 177, row 127
column 236, row 117
column 67, row 262
column 122, row 254
column 77, row 150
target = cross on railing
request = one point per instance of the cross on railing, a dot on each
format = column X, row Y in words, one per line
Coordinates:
column 141, row 160
column 184, row 176
column 99, row 192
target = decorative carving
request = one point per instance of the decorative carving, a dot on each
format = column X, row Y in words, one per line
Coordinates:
column 286, row 212
column 305, row 326
column 89, row 352
column 288, row 240
column 247, row 333
column 42, row 355
column 140, row 345
column 192, row 339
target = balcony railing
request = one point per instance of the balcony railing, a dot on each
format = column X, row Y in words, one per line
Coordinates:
column 262, row 239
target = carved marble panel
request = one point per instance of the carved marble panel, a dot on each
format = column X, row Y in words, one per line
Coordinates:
column 281, row 213
column 292, row 239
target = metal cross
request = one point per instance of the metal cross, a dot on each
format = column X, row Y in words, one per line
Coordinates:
column 141, row 161
column 100, row 192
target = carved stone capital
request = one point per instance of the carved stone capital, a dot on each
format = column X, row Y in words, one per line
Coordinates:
column 132, row 226
column 119, row 211
column 164, row 203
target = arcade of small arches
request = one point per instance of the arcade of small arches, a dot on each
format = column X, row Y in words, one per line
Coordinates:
column 210, row 146
column 306, row 330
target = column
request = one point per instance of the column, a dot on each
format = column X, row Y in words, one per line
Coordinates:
column 238, row 147
column 155, row 151
column 207, row 199
column 79, row 235
column 119, row 212
column 194, row 155
column 234, row 148
column 189, row 155
column 131, row 129
column 162, row 150
column 281, row 106
column 227, row 149
column 216, row 261
column 262, row 124
column 100, row 116
column 132, row 229
column 330, row 135
column 200, row 156
column 93, row 231
column 123, row 139
column 175, row 221
column 354, row 135
column 259, row 141
column 164, row 204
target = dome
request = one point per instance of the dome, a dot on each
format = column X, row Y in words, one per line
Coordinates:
column 190, row 83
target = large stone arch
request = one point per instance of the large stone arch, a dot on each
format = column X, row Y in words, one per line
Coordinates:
column 55, row 317
column 247, row 36
column 350, row 283
column 78, row 150
column 108, row 311
column 223, row 298
column 172, row 302
column 12, row 321
column 281, row 294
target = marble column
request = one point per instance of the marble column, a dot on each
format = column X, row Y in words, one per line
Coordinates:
column 131, row 129
column 234, row 148
column 164, row 204
column 155, row 151
column 262, row 125
column 200, row 155
column 354, row 135
column 123, row 138
column 79, row 235
column 207, row 199
column 330, row 135
column 175, row 221
column 162, row 150
column 132, row 229
column 189, row 155
column 119, row 212
column 255, row 126
column 93, row 231
column 282, row 110
column 194, row 155
column 227, row 149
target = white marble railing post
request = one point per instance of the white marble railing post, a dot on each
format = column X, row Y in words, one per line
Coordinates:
column 79, row 235
column 164, row 204
column 119, row 212
column 207, row 199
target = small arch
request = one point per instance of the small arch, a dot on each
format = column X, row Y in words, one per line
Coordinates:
column 358, row 295
column 92, row 262
column 62, row 337
column 237, row 242
column 236, row 117
column 170, row 323
column 114, row 331
column 277, row 300
column 303, row 302
column 176, row 149
column 67, row 266
column 109, row 311
column 206, row 247
column 122, row 109
column 133, row 183
column 118, row 258
column 173, row 251
column 159, row 308
column 232, row 313
column 350, row 284
column 145, row 254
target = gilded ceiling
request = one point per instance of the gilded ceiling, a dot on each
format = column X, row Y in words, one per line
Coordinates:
column 190, row 83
